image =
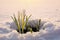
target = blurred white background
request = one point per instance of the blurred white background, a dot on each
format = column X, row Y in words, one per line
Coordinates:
column 38, row 8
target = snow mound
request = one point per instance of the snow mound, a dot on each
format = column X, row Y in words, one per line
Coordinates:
column 49, row 27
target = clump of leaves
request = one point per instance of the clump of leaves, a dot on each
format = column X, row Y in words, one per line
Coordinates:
column 17, row 21
column 37, row 26
column 21, row 21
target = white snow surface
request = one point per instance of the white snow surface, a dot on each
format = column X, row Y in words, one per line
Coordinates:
column 51, row 31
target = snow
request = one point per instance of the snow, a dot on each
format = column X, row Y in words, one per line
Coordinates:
column 51, row 32
column 49, row 27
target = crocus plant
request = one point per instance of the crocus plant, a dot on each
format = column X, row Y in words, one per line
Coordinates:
column 22, row 22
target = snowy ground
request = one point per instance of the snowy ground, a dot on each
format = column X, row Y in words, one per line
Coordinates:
column 51, row 31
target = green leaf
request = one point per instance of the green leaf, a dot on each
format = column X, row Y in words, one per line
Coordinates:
column 30, row 29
